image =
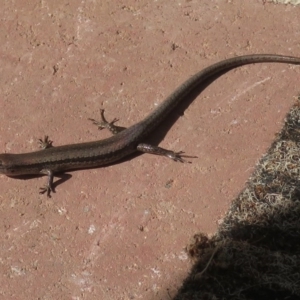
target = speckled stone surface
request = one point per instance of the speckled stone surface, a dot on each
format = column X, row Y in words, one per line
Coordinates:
column 120, row 232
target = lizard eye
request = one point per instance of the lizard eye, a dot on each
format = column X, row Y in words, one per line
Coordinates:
column 5, row 163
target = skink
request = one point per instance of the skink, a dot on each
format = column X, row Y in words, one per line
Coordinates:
column 53, row 160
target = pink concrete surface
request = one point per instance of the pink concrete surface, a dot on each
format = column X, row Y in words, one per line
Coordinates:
column 120, row 232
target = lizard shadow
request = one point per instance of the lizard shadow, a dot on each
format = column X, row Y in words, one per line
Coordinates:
column 63, row 177
column 160, row 133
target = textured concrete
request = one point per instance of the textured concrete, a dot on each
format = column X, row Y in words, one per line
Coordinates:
column 120, row 232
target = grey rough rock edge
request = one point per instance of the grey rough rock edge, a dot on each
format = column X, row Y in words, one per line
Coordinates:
column 294, row 2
